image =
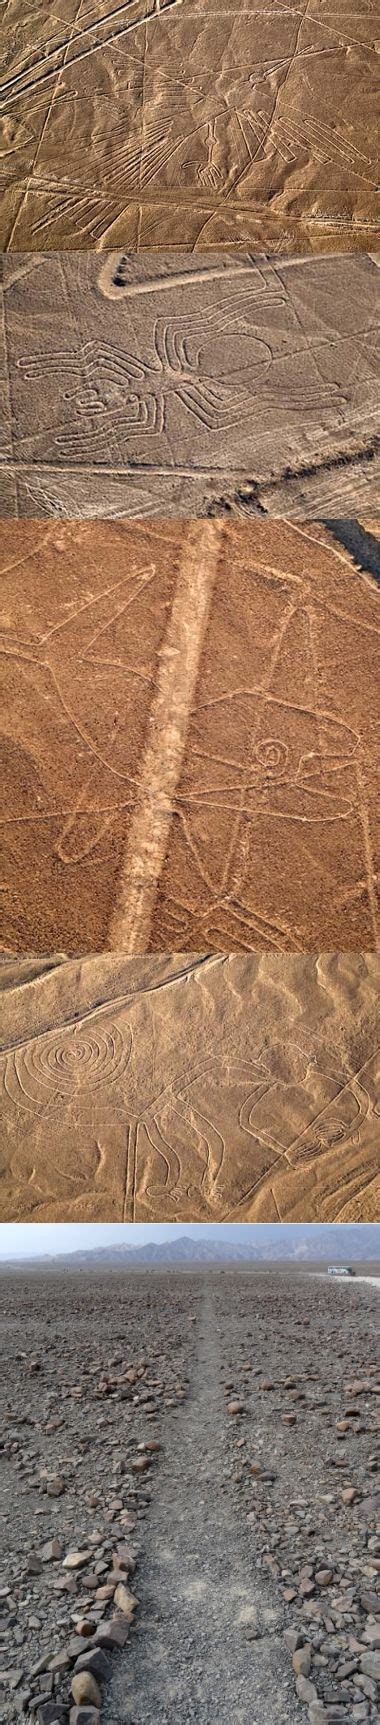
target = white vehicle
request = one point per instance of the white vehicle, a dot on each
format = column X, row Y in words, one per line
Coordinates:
column 340, row 1270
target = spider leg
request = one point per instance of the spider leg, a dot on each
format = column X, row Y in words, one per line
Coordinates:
column 68, row 364
column 213, row 405
column 212, row 393
column 176, row 344
column 113, row 364
column 78, row 443
column 170, row 346
column 194, row 399
column 146, row 414
column 154, row 414
column 228, row 403
column 88, row 402
column 234, row 315
column 188, row 358
column 181, row 356
column 151, row 406
column 160, row 334
column 160, row 414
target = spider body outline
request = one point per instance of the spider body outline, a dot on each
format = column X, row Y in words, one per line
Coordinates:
column 123, row 393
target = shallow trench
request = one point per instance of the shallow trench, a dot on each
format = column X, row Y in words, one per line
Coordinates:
column 207, row 1647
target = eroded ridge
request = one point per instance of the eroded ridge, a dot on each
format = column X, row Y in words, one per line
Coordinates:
column 241, row 1088
column 190, row 737
column 158, row 124
column 137, row 388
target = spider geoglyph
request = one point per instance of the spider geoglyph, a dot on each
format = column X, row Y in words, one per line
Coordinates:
column 119, row 392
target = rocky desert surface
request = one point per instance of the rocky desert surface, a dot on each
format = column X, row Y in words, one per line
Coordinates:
column 163, row 387
column 166, row 123
column 189, row 1499
column 189, row 1088
column 190, row 735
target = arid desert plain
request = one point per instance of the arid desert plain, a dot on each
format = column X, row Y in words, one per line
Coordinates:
column 239, row 1088
column 161, row 123
column 189, row 1496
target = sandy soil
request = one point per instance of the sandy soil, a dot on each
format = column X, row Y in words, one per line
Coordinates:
column 187, row 123
column 171, row 388
column 190, row 736
column 199, row 1088
column 251, row 1526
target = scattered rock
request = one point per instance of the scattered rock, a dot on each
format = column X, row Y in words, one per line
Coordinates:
column 95, row 1661
column 84, row 1688
column 302, row 1661
column 76, row 1559
column 305, row 1689
column 125, row 1601
column 84, row 1716
column 113, row 1633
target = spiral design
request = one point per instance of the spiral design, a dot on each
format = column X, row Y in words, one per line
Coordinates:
column 272, row 754
column 82, row 1058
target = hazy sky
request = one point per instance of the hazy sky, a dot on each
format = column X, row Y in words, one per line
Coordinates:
column 33, row 1239
column 30, row 1239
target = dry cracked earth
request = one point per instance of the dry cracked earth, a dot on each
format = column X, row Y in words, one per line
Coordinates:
column 190, row 1499
column 195, row 123
column 191, row 1088
column 191, row 735
column 139, row 387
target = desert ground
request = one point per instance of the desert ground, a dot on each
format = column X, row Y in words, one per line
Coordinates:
column 190, row 1088
column 190, row 727
column 166, row 387
column 166, row 123
column 189, row 1498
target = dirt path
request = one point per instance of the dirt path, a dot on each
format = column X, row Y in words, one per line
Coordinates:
column 208, row 1646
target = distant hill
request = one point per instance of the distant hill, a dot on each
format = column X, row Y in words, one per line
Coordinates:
column 280, row 1244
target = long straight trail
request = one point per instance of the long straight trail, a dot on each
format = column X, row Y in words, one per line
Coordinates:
column 130, row 924
column 207, row 1648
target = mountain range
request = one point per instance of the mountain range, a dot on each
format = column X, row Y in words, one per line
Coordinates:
column 290, row 1244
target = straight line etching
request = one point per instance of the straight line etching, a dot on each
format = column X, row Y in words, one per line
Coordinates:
column 208, row 960
column 129, row 1204
column 184, row 278
column 130, row 924
column 368, row 853
column 20, row 89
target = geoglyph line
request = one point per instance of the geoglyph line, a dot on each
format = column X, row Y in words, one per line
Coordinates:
column 144, row 855
column 184, row 278
column 12, row 87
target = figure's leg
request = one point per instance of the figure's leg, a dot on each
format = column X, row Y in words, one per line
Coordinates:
column 160, row 340
column 153, row 420
column 170, row 346
column 112, row 363
column 193, row 397
column 163, row 1169
column 215, row 405
column 86, row 443
column 67, row 364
